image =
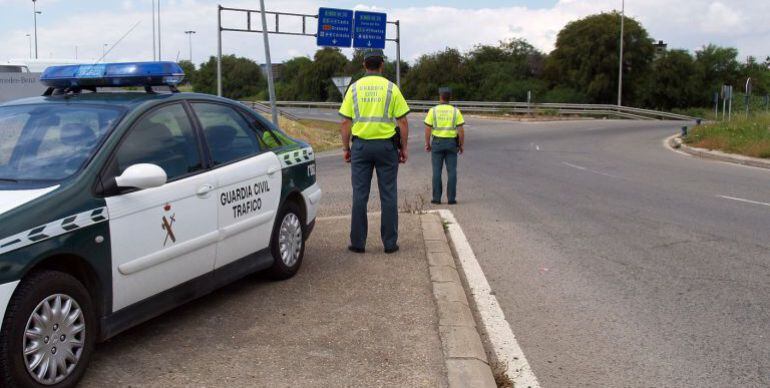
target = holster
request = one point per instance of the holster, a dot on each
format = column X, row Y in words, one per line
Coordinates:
column 397, row 138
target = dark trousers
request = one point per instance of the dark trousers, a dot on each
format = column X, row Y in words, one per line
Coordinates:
column 444, row 151
column 367, row 156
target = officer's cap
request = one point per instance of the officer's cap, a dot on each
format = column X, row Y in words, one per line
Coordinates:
column 445, row 90
column 370, row 53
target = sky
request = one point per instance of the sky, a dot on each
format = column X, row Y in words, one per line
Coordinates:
column 426, row 26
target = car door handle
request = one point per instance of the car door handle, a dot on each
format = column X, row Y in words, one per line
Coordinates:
column 273, row 170
column 204, row 190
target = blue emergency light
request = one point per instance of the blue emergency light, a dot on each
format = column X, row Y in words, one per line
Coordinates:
column 113, row 75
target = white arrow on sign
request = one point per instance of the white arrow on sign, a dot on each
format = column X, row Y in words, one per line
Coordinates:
column 334, row 41
column 369, row 43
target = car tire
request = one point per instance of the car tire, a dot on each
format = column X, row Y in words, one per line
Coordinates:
column 47, row 293
column 287, row 244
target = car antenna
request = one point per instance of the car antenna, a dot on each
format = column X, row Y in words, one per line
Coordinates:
column 118, row 42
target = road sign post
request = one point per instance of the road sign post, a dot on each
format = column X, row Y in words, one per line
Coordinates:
column 342, row 84
column 369, row 30
column 335, row 27
column 269, row 63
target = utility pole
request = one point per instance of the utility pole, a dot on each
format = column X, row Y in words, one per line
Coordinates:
column 189, row 38
column 104, row 50
column 620, row 62
column 76, row 52
column 35, row 12
column 270, row 84
column 29, row 40
column 154, row 49
column 159, row 40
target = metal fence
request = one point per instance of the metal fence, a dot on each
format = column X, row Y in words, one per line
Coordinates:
column 556, row 109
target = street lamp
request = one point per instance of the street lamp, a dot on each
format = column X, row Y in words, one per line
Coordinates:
column 620, row 62
column 104, row 50
column 29, row 39
column 35, row 12
column 189, row 38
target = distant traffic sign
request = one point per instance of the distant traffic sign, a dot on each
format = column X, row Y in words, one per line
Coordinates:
column 369, row 30
column 335, row 27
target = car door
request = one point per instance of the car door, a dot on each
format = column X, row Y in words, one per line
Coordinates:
column 249, row 181
column 164, row 236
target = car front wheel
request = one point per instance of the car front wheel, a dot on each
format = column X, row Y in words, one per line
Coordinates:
column 287, row 243
column 48, row 332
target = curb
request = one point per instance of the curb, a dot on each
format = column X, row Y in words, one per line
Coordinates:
column 677, row 143
column 464, row 355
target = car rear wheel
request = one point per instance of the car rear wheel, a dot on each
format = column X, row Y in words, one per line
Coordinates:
column 287, row 244
column 48, row 332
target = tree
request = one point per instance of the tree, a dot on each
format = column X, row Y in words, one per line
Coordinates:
column 444, row 68
column 506, row 72
column 718, row 65
column 759, row 74
column 586, row 57
column 673, row 82
column 189, row 71
column 310, row 80
column 241, row 77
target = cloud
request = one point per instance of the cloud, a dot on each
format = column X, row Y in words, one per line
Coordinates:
column 689, row 24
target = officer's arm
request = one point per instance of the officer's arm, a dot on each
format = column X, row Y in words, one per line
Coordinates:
column 461, row 135
column 428, row 131
column 403, row 125
column 345, row 133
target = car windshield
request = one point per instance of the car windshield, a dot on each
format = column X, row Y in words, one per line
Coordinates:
column 50, row 141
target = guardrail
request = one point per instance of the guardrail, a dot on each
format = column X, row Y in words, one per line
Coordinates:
column 264, row 108
column 605, row 110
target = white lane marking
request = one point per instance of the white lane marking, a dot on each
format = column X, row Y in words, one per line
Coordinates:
column 575, row 166
column 589, row 170
column 744, row 200
column 537, row 147
column 499, row 333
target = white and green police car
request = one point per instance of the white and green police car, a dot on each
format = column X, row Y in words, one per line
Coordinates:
column 118, row 206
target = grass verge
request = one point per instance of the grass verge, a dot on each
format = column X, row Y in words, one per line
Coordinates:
column 322, row 135
column 744, row 136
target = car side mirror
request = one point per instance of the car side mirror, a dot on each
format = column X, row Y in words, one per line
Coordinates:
column 141, row 176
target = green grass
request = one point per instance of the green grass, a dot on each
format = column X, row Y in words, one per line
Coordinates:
column 745, row 136
column 322, row 135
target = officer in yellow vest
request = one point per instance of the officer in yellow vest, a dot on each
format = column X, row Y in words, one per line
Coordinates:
column 444, row 139
column 372, row 109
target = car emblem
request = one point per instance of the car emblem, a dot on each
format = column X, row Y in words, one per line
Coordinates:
column 167, row 224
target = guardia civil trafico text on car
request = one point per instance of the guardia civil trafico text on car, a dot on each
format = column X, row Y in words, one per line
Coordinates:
column 116, row 206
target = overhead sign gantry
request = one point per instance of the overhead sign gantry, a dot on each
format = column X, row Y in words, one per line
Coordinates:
column 335, row 28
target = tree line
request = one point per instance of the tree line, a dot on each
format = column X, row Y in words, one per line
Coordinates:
column 582, row 68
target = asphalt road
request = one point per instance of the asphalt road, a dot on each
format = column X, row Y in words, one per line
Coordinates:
column 617, row 261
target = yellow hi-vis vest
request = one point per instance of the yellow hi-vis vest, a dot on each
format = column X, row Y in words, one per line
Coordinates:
column 444, row 120
column 373, row 103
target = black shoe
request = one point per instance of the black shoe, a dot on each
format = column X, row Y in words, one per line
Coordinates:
column 392, row 249
column 452, row 202
column 356, row 250
column 436, row 202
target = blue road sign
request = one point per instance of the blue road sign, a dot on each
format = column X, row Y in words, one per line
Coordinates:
column 369, row 30
column 335, row 27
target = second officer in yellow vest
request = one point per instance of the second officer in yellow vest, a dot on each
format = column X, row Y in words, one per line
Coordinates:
column 444, row 139
column 371, row 109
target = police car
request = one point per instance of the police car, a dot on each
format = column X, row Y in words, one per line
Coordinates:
column 118, row 206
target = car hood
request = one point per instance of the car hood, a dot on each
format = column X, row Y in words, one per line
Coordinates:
column 11, row 199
